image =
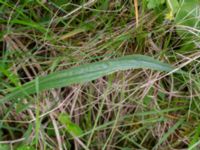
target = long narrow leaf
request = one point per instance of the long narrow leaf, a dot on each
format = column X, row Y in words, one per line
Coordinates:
column 85, row 73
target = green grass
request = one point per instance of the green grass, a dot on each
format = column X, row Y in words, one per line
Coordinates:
column 82, row 75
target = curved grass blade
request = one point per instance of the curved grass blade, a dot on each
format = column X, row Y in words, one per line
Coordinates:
column 85, row 73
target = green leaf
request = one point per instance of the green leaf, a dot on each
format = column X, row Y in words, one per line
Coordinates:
column 169, row 132
column 85, row 73
column 173, row 5
column 71, row 127
column 154, row 3
column 189, row 13
column 12, row 77
column 195, row 138
column 4, row 147
column 187, row 19
column 30, row 24
column 24, row 147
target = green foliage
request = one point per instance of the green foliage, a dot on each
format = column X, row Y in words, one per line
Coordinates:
column 60, row 2
column 195, row 138
column 188, row 17
column 4, row 147
column 126, row 109
column 170, row 131
column 189, row 13
column 151, row 4
column 86, row 73
column 71, row 127
column 185, row 13
column 24, row 147
column 12, row 77
column 173, row 5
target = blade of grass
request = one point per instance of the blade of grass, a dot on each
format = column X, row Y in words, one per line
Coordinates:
column 171, row 130
column 37, row 111
column 29, row 24
column 12, row 77
column 85, row 73
column 99, row 113
column 192, row 147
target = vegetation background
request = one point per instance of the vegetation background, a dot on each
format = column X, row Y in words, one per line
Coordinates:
column 135, row 102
